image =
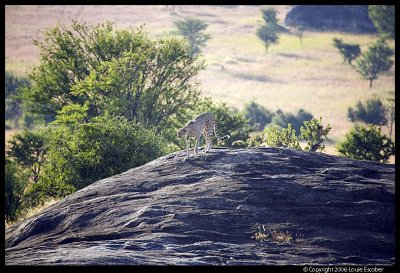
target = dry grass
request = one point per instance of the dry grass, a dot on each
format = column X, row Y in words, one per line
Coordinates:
column 291, row 76
column 30, row 212
column 264, row 235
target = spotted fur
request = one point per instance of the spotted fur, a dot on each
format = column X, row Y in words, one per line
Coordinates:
column 203, row 124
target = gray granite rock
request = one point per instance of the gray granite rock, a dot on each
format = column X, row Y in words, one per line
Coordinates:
column 205, row 211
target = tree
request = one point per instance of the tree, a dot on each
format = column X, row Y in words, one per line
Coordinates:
column 80, row 153
column 268, row 33
column 192, row 29
column 257, row 115
column 28, row 149
column 14, row 184
column 366, row 143
column 383, row 17
column 349, row 52
column 120, row 72
column 375, row 60
column 372, row 111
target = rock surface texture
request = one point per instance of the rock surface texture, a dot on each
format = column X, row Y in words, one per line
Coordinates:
column 205, row 211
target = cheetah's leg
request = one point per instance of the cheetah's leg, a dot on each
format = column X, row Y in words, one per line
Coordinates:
column 187, row 148
column 196, row 147
column 208, row 136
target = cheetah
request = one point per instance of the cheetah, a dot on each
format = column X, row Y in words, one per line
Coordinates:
column 202, row 124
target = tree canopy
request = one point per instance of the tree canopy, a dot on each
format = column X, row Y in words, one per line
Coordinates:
column 119, row 72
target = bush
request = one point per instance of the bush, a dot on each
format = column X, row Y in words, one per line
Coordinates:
column 83, row 153
column 312, row 132
column 282, row 119
column 257, row 115
column 373, row 112
column 285, row 137
column 366, row 143
column 15, row 182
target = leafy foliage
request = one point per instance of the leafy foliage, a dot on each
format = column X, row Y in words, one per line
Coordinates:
column 15, row 182
column 373, row 112
column 281, row 137
column 192, row 29
column 268, row 33
column 257, row 115
column 383, row 17
column 28, row 150
column 375, row 60
column 86, row 152
column 282, row 119
column 119, row 72
column 314, row 134
column 367, row 143
column 349, row 52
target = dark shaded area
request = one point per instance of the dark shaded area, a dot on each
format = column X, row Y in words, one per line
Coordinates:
column 204, row 211
column 346, row 18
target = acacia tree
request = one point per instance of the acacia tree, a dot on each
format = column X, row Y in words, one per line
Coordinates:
column 192, row 29
column 349, row 52
column 375, row 60
column 120, row 72
column 268, row 33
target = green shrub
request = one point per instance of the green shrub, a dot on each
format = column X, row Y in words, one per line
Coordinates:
column 366, row 143
column 83, row 153
column 314, row 134
column 284, row 137
column 282, row 119
column 15, row 182
column 373, row 112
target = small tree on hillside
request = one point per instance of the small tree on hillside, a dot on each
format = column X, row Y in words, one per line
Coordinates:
column 349, row 52
column 375, row 60
column 268, row 32
column 192, row 29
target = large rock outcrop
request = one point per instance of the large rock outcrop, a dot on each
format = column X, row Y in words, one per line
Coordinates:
column 347, row 18
column 205, row 211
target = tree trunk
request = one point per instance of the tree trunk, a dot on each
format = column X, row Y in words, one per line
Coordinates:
column 370, row 83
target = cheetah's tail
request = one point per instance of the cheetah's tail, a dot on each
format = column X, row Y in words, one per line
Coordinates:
column 218, row 137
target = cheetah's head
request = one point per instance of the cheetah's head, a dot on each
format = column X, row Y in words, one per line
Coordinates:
column 181, row 132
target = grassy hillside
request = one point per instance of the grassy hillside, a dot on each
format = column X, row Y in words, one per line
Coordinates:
column 292, row 75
